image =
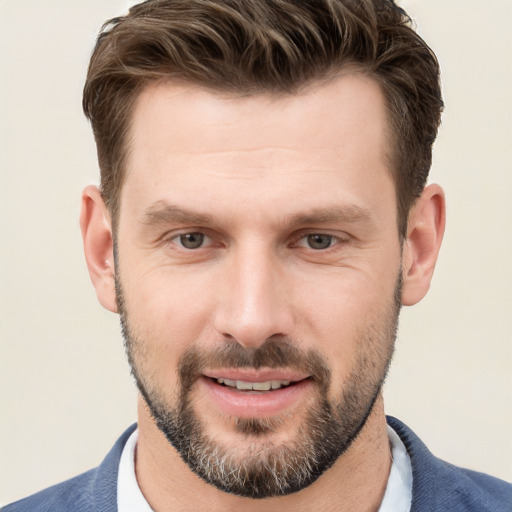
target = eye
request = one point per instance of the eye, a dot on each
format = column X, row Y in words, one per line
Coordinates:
column 317, row 241
column 191, row 240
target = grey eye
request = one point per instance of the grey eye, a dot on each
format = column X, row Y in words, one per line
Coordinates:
column 319, row 241
column 192, row 240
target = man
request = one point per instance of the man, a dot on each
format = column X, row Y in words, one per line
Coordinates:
column 262, row 216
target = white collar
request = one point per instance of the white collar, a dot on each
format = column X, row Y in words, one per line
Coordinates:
column 397, row 497
column 129, row 495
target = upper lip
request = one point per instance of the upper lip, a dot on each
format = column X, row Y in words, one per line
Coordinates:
column 253, row 375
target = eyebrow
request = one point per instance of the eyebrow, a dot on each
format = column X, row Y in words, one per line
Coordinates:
column 164, row 213
column 349, row 213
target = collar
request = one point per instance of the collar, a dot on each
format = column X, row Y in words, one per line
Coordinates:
column 397, row 497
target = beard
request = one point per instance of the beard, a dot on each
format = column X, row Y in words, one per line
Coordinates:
column 268, row 468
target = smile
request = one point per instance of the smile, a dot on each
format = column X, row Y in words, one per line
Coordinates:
column 255, row 394
column 254, row 386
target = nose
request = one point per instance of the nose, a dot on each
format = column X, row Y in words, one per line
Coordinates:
column 254, row 304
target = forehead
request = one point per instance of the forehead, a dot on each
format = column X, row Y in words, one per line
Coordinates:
column 189, row 139
column 344, row 106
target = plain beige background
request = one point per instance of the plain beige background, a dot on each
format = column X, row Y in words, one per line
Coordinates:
column 65, row 389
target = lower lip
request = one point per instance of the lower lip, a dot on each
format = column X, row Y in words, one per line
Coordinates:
column 252, row 404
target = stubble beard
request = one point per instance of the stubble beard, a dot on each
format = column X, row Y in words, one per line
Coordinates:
column 268, row 469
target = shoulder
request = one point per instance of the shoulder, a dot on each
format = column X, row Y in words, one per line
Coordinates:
column 69, row 495
column 95, row 490
column 438, row 485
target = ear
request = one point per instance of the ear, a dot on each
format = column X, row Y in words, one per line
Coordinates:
column 97, row 237
column 425, row 231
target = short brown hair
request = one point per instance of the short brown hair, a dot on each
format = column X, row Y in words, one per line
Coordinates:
column 253, row 46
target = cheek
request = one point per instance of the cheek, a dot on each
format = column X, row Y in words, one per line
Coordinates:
column 167, row 313
column 350, row 315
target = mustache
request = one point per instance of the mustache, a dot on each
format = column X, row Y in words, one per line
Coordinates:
column 275, row 352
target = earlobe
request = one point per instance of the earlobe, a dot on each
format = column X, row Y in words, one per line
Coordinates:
column 96, row 228
column 421, row 248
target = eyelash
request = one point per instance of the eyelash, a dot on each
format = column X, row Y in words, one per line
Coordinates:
column 333, row 240
column 176, row 238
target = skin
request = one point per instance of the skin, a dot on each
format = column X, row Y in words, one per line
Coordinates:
column 267, row 171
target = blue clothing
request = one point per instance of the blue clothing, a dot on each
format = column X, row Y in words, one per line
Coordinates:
column 437, row 485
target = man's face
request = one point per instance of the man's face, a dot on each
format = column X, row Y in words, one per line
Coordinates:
column 258, row 274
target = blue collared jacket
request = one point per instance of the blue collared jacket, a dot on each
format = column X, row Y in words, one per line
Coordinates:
column 437, row 485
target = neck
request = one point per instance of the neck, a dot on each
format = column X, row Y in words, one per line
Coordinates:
column 355, row 483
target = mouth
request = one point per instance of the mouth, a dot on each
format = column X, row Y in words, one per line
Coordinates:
column 268, row 385
column 249, row 379
column 246, row 393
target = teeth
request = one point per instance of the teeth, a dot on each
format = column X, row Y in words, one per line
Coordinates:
column 262, row 386
column 240, row 384
column 254, row 386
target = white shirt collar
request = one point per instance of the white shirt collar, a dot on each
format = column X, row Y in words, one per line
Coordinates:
column 129, row 495
column 397, row 497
